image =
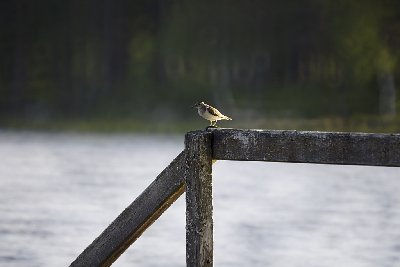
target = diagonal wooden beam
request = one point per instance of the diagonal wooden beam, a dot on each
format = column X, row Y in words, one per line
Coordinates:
column 137, row 217
column 307, row 147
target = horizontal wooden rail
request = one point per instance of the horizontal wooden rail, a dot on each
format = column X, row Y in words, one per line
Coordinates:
column 306, row 147
column 137, row 217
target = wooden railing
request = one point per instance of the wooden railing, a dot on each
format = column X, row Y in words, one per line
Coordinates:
column 191, row 171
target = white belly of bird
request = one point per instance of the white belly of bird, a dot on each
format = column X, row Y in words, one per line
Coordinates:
column 206, row 115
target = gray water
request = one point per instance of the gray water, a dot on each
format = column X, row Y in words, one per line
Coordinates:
column 59, row 191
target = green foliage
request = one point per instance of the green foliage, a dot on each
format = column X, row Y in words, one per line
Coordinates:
column 127, row 58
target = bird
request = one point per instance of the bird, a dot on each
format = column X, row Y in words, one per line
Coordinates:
column 210, row 113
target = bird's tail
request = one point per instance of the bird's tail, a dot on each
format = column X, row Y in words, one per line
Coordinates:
column 227, row 118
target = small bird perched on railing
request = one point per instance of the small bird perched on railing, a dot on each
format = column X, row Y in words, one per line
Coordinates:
column 210, row 113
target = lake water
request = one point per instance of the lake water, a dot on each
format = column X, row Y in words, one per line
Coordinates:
column 59, row 191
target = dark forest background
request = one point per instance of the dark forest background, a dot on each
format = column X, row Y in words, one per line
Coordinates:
column 150, row 60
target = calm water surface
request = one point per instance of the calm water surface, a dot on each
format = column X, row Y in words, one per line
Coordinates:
column 59, row 191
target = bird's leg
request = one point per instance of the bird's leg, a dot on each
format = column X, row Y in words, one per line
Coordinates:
column 212, row 124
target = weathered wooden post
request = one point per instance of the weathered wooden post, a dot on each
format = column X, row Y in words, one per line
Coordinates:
column 199, row 222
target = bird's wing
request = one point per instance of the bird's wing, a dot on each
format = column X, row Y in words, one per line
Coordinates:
column 215, row 112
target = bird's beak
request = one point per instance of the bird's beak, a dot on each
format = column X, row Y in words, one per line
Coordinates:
column 194, row 106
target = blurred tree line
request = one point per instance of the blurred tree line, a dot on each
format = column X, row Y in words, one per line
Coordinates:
column 95, row 58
